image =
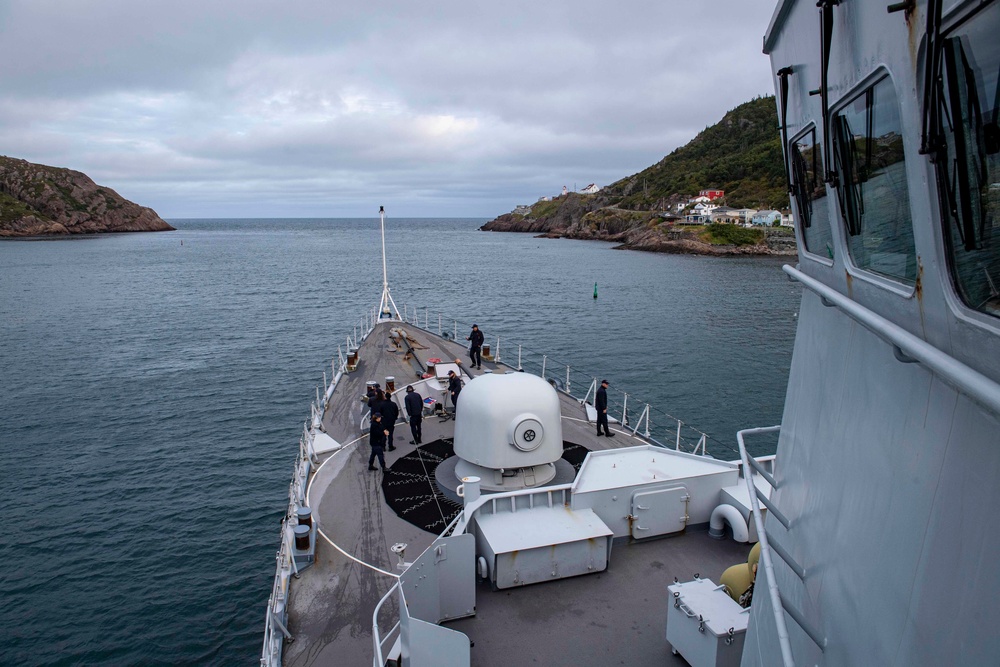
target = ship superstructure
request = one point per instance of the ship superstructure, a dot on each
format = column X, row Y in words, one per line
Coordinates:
column 890, row 440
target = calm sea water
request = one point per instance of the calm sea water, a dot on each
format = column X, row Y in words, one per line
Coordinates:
column 155, row 385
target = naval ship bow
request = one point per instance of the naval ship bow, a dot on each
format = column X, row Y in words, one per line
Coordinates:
column 515, row 535
column 512, row 533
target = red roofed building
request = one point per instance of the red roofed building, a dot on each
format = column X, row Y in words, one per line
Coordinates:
column 712, row 194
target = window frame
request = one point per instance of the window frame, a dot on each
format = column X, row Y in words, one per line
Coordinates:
column 812, row 127
column 957, row 17
column 878, row 74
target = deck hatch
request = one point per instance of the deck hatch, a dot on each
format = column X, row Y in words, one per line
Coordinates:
column 659, row 512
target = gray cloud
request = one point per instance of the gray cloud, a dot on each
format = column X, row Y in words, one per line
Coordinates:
column 313, row 108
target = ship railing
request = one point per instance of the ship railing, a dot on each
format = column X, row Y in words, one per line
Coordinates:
column 906, row 347
column 457, row 529
column 625, row 412
column 780, row 605
column 432, row 589
column 276, row 618
column 390, row 635
column 512, row 501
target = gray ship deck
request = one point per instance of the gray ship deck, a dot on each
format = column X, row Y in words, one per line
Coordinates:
column 616, row 617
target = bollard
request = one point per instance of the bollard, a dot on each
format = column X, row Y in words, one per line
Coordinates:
column 304, row 516
column 390, row 382
column 302, row 538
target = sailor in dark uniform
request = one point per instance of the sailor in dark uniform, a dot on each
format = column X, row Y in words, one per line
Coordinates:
column 376, row 438
column 454, row 387
column 368, row 400
column 601, row 403
column 476, row 347
column 390, row 414
column 415, row 411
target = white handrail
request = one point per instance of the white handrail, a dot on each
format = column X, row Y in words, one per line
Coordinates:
column 750, row 464
column 765, row 549
column 969, row 381
column 285, row 559
column 546, row 364
column 379, row 660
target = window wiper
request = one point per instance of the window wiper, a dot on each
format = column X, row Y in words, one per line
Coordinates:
column 991, row 131
column 846, row 159
column 826, row 28
column 800, row 186
column 970, row 145
column 783, row 75
column 930, row 141
column 865, row 172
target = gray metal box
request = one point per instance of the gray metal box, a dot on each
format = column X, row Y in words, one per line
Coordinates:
column 705, row 625
column 543, row 543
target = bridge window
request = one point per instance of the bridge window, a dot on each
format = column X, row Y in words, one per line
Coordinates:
column 969, row 169
column 872, row 187
column 810, row 194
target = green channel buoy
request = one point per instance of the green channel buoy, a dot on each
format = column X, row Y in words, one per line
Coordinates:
column 595, row 290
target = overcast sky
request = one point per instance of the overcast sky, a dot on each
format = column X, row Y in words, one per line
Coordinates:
column 304, row 108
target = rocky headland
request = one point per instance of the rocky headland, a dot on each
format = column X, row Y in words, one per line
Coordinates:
column 38, row 200
column 589, row 217
column 740, row 156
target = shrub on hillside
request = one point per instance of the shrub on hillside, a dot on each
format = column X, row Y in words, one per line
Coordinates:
column 719, row 233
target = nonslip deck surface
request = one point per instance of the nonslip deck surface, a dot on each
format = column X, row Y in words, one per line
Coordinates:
column 331, row 604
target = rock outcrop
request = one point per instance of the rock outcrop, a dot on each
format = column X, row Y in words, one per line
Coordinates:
column 587, row 217
column 740, row 154
column 38, row 200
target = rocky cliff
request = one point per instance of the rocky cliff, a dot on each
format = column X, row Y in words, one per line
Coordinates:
column 37, row 200
column 588, row 217
column 740, row 154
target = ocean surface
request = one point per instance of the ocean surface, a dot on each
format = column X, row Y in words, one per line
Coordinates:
column 155, row 385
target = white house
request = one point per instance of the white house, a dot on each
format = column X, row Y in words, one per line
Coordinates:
column 565, row 190
column 786, row 219
column 591, row 189
column 745, row 214
column 767, row 217
column 725, row 214
column 699, row 200
column 701, row 212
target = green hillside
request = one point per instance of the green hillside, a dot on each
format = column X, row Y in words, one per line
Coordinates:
column 740, row 154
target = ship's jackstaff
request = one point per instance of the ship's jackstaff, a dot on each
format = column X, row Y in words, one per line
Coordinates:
column 383, row 307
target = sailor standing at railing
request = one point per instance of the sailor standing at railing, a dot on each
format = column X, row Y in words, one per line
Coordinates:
column 601, row 403
column 475, row 349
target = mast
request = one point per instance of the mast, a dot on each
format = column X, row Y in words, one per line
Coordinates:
column 386, row 301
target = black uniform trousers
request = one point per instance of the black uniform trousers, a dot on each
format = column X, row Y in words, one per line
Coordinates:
column 379, row 451
column 602, row 419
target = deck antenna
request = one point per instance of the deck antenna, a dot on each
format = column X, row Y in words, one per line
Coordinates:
column 386, row 297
